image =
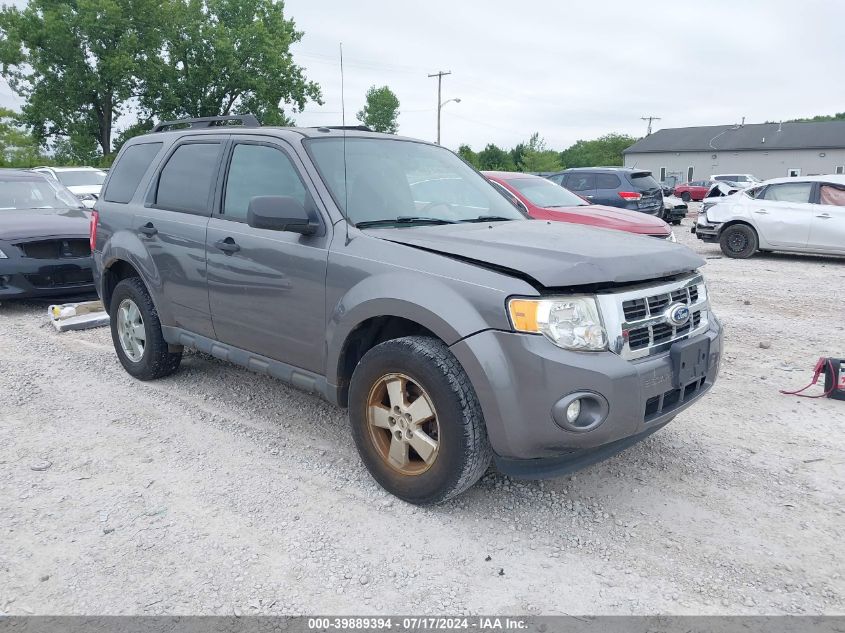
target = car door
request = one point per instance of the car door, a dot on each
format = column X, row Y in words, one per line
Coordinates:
column 582, row 184
column 783, row 214
column 172, row 225
column 266, row 287
column 827, row 231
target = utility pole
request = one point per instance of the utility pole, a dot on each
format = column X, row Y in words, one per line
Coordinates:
column 439, row 76
column 649, row 119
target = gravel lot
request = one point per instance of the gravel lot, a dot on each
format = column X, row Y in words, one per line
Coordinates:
column 218, row 491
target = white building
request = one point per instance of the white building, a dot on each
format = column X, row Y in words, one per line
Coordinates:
column 767, row 150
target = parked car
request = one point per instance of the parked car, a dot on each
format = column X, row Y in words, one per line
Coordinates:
column 632, row 189
column 454, row 329
column 44, row 240
column 695, row 190
column 544, row 200
column 84, row 182
column 674, row 209
column 740, row 180
column 785, row 214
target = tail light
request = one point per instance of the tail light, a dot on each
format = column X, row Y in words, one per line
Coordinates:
column 630, row 195
column 92, row 229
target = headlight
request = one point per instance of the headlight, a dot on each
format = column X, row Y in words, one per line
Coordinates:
column 568, row 322
column 672, row 237
column 2, row 254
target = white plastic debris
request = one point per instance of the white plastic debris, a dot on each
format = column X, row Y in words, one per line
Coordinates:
column 78, row 316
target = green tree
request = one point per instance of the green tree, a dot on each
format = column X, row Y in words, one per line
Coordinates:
column 465, row 152
column 494, row 158
column 227, row 56
column 605, row 150
column 537, row 157
column 381, row 111
column 18, row 147
column 77, row 64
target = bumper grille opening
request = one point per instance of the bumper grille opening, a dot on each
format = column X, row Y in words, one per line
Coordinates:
column 669, row 400
column 61, row 278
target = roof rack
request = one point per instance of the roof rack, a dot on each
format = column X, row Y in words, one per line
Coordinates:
column 247, row 120
column 359, row 128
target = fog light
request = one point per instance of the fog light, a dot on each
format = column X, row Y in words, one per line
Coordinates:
column 573, row 411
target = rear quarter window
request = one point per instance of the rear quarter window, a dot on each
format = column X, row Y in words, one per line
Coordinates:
column 607, row 181
column 128, row 171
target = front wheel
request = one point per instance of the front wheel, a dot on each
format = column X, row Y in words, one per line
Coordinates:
column 416, row 420
column 738, row 241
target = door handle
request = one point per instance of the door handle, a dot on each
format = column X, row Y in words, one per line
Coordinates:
column 762, row 212
column 228, row 246
column 148, row 229
column 824, row 216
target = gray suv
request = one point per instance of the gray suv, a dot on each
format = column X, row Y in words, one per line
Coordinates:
column 389, row 277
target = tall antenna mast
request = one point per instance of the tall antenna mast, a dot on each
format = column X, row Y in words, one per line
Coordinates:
column 650, row 119
column 343, row 122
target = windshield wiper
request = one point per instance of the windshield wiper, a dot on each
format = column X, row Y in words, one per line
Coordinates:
column 489, row 218
column 403, row 219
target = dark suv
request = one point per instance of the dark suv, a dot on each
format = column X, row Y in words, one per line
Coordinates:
column 388, row 276
column 633, row 189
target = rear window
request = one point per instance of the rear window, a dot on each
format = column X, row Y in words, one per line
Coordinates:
column 185, row 181
column 643, row 181
column 607, row 181
column 127, row 173
column 81, row 177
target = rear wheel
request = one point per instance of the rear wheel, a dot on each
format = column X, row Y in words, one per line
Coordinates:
column 136, row 333
column 738, row 241
column 685, row 196
column 416, row 420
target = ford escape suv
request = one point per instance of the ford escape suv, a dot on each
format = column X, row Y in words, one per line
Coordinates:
column 391, row 278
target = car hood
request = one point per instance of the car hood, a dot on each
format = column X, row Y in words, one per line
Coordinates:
column 552, row 253
column 618, row 219
column 26, row 223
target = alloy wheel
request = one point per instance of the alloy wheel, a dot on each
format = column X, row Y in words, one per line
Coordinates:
column 130, row 330
column 403, row 424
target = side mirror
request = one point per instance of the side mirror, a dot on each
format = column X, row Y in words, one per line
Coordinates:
column 279, row 213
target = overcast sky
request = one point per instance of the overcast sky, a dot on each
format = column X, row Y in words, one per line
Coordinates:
column 572, row 70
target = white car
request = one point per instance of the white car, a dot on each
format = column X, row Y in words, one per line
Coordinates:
column 741, row 180
column 805, row 215
column 84, row 182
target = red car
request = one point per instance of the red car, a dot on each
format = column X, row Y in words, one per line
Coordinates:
column 695, row 190
column 544, row 200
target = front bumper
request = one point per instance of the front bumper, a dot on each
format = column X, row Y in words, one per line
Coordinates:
column 23, row 278
column 707, row 232
column 519, row 378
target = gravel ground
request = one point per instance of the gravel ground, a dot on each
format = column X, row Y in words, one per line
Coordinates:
column 218, row 491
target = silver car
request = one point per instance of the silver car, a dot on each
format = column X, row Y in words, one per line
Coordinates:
column 805, row 215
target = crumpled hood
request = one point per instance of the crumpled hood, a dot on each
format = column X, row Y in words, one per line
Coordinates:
column 26, row 223
column 553, row 253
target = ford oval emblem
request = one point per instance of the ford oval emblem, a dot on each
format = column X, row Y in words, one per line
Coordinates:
column 678, row 314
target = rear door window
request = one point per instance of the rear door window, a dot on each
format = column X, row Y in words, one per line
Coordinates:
column 607, row 181
column 794, row 192
column 259, row 170
column 580, row 182
column 127, row 173
column 186, row 180
column 835, row 196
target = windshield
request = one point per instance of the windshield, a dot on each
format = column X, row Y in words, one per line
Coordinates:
column 81, row 177
column 390, row 179
column 544, row 193
column 35, row 194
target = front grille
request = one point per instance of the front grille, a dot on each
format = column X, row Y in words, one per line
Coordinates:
column 61, row 278
column 637, row 322
column 56, row 249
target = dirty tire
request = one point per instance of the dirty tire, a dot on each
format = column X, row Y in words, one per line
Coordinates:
column 464, row 450
column 686, row 197
column 738, row 241
column 157, row 360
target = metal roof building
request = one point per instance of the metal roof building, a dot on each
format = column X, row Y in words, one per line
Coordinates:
column 767, row 150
